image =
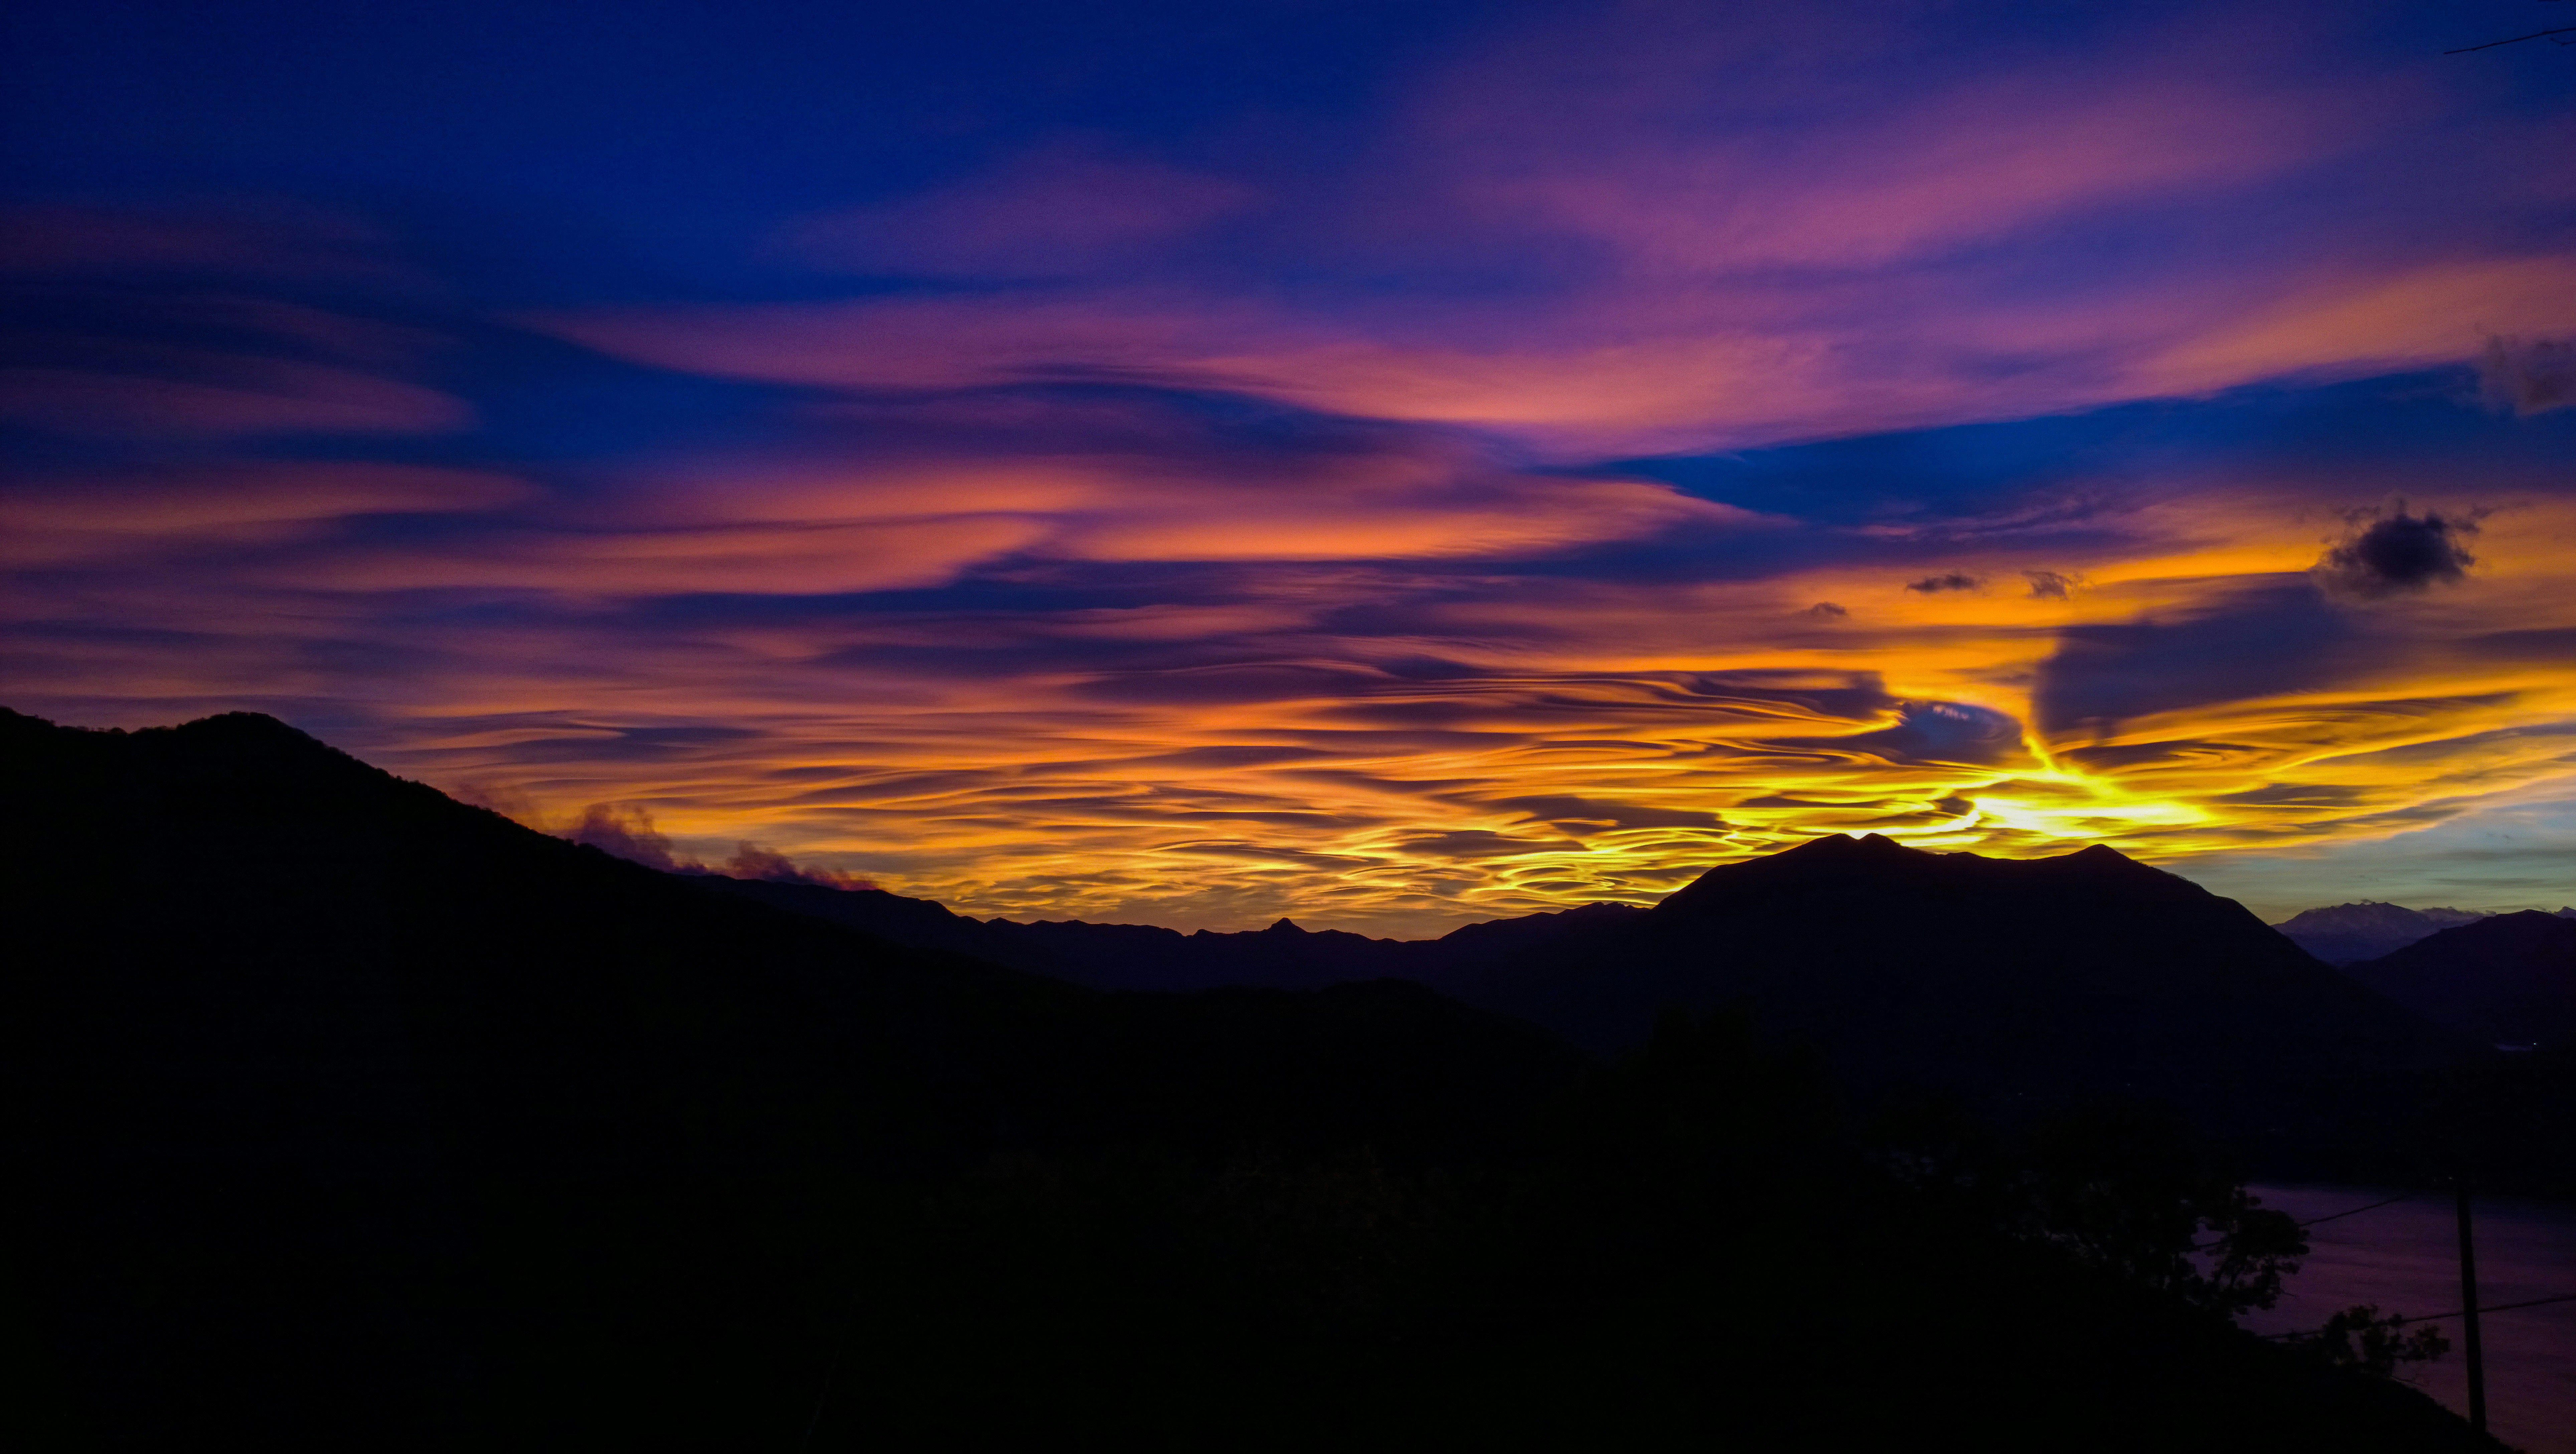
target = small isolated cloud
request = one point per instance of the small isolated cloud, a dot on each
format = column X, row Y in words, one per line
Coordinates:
column 2049, row 585
column 2398, row 552
column 1934, row 585
column 2529, row 377
column 623, row 830
column 1826, row 609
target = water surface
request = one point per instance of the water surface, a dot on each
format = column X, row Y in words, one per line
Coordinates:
column 2405, row 1259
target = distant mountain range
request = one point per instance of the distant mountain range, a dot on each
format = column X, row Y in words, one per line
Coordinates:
column 1145, row 957
column 2351, row 933
column 1505, row 963
column 2008, row 980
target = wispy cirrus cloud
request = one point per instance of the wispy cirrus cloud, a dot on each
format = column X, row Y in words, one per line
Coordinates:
column 1667, row 435
column 1667, row 229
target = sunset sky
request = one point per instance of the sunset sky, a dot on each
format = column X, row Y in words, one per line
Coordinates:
column 1387, row 464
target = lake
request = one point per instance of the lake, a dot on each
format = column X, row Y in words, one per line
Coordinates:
column 2405, row 1259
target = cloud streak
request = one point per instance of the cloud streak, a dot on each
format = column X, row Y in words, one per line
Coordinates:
column 1664, row 435
column 1754, row 232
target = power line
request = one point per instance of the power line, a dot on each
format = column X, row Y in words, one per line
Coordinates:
column 2516, row 40
column 2312, row 1221
column 2538, row 1302
column 2356, row 1211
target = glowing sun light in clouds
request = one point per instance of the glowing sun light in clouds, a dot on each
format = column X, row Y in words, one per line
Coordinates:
column 1654, row 435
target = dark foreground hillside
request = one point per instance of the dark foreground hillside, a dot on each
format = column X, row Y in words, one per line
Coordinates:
column 1147, row 956
column 345, row 1116
column 2506, row 979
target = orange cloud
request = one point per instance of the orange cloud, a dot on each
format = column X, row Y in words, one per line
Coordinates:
column 1390, row 745
column 1139, row 488
column 1199, row 543
column 1502, row 751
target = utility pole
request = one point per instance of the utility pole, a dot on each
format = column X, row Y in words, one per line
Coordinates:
column 2469, row 1313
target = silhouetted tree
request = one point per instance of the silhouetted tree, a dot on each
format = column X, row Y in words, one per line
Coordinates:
column 2359, row 1337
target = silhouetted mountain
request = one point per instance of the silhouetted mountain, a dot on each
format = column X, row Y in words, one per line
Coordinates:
column 2013, row 981
column 343, row 1116
column 2509, row 979
column 284, row 1033
column 2026, row 982
column 2350, row 933
column 1145, row 957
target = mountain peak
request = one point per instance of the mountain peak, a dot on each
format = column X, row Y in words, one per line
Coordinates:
column 1846, row 845
column 1285, row 925
column 243, row 722
column 240, row 729
column 2102, row 857
column 2343, row 934
column 233, row 727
